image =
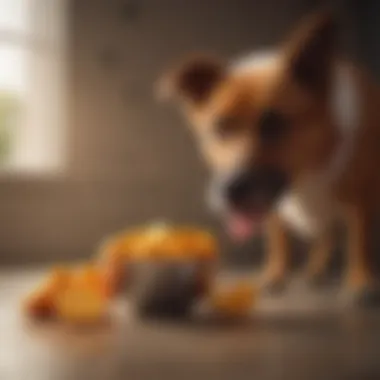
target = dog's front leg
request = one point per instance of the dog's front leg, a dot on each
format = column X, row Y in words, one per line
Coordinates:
column 319, row 257
column 359, row 273
column 277, row 256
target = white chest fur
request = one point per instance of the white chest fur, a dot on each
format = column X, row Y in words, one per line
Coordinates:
column 309, row 208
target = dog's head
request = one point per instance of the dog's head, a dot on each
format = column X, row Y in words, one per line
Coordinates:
column 263, row 125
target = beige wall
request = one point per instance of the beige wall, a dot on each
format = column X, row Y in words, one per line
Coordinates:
column 130, row 159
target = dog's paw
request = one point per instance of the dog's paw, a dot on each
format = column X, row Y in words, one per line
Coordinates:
column 316, row 281
column 272, row 285
column 364, row 297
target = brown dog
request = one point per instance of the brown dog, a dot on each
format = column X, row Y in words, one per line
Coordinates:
column 292, row 137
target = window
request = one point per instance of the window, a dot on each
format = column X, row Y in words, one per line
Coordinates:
column 32, row 85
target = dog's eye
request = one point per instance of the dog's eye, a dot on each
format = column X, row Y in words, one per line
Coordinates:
column 226, row 126
column 272, row 126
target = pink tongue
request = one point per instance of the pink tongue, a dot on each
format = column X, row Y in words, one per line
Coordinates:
column 242, row 227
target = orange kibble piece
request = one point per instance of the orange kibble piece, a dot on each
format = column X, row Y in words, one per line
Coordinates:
column 111, row 249
column 58, row 279
column 113, row 272
column 40, row 305
column 235, row 300
column 42, row 302
column 114, row 255
column 91, row 276
column 81, row 305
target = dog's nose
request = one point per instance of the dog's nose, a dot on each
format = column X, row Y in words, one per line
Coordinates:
column 239, row 189
column 253, row 187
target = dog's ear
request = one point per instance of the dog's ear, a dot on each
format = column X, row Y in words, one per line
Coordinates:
column 193, row 80
column 310, row 51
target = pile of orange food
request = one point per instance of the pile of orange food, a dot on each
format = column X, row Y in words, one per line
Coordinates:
column 82, row 294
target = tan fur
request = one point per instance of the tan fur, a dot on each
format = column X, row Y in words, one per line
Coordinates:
column 356, row 191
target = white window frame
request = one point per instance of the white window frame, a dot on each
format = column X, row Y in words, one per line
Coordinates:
column 39, row 145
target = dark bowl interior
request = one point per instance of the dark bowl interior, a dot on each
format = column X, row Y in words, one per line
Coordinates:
column 166, row 288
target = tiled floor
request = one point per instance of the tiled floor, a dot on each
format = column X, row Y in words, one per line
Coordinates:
column 298, row 336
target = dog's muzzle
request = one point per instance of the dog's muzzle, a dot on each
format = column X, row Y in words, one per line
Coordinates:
column 254, row 190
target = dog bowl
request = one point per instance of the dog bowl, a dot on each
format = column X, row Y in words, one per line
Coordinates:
column 167, row 288
column 164, row 268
